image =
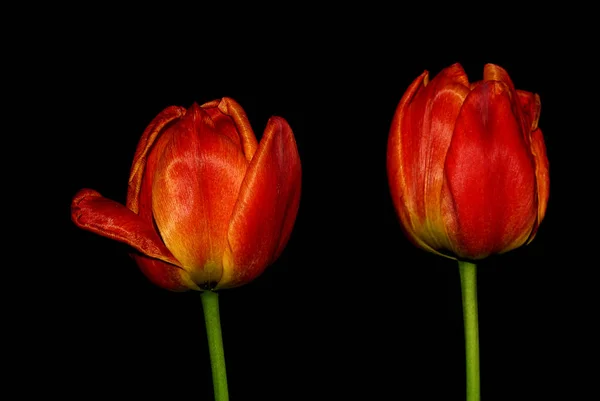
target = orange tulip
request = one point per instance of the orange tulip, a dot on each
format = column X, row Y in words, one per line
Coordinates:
column 208, row 207
column 467, row 165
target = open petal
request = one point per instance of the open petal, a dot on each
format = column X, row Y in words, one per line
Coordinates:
column 93, row 212
column 490, row 174
column 196, row 185
column 266, row 210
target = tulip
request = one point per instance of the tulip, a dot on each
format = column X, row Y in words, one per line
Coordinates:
column 468, row 175
column 207, row 207
column 467, row 165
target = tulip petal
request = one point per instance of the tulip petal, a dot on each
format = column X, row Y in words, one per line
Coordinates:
column 493, row 72
column 490, row 174
column 195, row 188
column 529, row 110
column 93, row 212
column 419, row 139
column 542, row 174
column 530, row 107
column 143, row 147
column 396, row 168
column 165, row 275
column 225, row 111
column 266, row 210
column 144, row 202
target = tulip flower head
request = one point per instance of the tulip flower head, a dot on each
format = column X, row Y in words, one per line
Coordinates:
column 208, row 207
column 467, row 165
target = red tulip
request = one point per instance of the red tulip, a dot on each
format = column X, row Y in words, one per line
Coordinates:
column 467, row 164
column 208, row 207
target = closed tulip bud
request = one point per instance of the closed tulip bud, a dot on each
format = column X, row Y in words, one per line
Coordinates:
column 467, row 165
column 208, row 207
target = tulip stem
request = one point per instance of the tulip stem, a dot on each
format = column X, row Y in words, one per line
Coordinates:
column 210, row 305
column 468, row 284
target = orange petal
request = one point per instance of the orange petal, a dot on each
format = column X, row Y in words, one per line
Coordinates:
column 490, row 174
column 225, row 111
column 144, row 145
column 196, row 184
column 93, row 212
column 266, row 210
column 419, row 139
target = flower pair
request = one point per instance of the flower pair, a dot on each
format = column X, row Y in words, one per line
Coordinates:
column 208, row 207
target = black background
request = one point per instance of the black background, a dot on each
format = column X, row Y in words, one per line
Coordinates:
column 351, row 308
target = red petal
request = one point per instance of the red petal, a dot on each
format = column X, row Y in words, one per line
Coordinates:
column 395, row 167
column 144, row 203
column 165, row 275
column 493, row 72
column 526, row 105
column 530, row 107
column 143, row 147
column 225, row 111
column 490, row 174
column 542, row 174
column 419, row 139
column 91, row 211
column 196, row 185
column 266, row 210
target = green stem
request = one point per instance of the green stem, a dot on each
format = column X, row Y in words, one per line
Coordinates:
column 210, row 305
column 468, row 285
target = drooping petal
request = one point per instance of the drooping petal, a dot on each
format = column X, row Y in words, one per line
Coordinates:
column 266, row 210
column 196, row 185
column 165, row 275
column 93, row 212
column 419, row 138
column 230, row 119
column 490, row 174
column 542, row 174
column 143, row 147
